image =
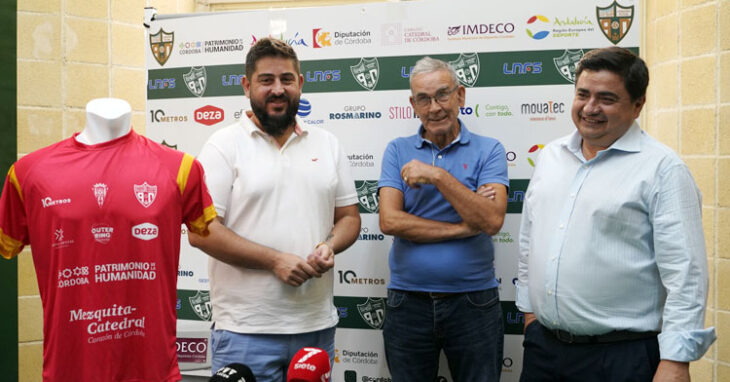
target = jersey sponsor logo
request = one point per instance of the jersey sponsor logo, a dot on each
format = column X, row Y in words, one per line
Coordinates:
column 161, row 44
column 615, row 21
column 373, row 312
column 145, row 231
column 145, row 194
column 50, row 202
column 60, row 240
column 201, row 305
column 100, row 191
column 73, row 276
column 102, row 232
column 209, row 115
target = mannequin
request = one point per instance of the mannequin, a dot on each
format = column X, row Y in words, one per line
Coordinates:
column 106, row 119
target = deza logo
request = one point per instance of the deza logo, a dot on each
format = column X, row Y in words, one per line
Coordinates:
column 209, row 115
column 145, row 231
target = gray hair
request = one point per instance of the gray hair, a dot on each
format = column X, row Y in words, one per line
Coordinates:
column 430, row 65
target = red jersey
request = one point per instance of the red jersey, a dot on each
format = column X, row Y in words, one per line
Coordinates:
column 104, row 222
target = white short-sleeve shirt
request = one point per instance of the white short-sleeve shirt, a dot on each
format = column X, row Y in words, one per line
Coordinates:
column 283, row 198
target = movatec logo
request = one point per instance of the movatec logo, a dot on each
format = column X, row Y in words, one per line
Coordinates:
column 543, row 111
column 145, row 231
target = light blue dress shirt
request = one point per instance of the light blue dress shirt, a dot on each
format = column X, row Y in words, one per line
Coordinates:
column 616, row 243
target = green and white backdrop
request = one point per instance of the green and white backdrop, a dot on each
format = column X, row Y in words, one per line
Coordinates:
column 517, row 61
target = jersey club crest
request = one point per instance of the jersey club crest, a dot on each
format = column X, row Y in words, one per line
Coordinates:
column 100, row 191
column 145, row 194
column 201, row 305
column 615, row 21
column 161, row 45
column 373, row 312
column 567, row 63
column 366, row 72
column 195, row 80
column 467, row 68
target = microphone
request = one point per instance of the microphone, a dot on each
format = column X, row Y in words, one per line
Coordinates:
column 234, row 372
column 309, row 365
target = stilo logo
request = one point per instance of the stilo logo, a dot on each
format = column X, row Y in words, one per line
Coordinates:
column 305, row 108
column 541, row 34
column 209, row 115
column 532, row 154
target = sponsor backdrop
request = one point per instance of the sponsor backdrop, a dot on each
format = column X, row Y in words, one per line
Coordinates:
column 518, row 66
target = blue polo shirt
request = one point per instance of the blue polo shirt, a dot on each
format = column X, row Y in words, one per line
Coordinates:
column 460, row 265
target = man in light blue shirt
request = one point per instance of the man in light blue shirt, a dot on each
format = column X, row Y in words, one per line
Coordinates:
column 612, row 271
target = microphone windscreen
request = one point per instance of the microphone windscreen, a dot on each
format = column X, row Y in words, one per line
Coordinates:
column 235, row 372
column 309, row 365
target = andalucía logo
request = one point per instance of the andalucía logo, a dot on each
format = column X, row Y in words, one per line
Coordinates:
column 305, row 108
column 615, row 21
column 532, row 154
column 367, row 196
column 366, row 72
column 539, row 35
column 161, row 45
column 195, row 80
column 467, row 68
column 373, row 312
column 201, row 305
column 567, row 63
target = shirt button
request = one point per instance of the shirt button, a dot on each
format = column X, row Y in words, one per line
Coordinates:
column 572, row 196
column 550, row 292
column 554, row 258
column 440, row 156
column 555, row 323
column 562, row 226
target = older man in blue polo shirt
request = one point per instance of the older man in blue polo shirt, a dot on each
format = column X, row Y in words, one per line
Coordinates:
column 443, row 192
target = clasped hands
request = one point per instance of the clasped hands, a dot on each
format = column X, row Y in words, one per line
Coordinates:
column 294, row 270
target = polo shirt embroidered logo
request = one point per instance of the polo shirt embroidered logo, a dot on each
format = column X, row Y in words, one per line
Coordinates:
column 145, row 194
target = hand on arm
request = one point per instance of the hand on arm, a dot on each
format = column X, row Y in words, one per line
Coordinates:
column 343, row 235
column 483, row 213
column 228, row 247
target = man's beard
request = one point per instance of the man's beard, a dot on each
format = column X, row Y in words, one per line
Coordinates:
column 276, row 125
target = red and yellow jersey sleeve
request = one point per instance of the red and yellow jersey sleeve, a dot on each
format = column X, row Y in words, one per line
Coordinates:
column 198, row 209
column 13, row 222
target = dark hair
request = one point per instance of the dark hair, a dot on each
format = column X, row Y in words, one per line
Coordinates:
column 630, row 67
column 269, row 47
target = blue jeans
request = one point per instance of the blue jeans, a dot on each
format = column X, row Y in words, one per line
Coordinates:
column 468, row 327
column 268, row 355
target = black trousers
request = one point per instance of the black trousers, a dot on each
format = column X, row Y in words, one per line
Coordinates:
column 548, row 359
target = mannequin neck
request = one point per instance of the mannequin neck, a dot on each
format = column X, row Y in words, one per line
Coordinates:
column 106, row 119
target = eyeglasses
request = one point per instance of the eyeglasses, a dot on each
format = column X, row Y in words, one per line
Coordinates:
column 441, row 97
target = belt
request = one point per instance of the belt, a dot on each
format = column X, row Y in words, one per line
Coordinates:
column 432, row 295
column 615, row 336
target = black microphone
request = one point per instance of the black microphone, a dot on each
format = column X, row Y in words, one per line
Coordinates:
column 235, row 372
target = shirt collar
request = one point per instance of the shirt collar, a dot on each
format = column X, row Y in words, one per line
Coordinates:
column 629, row 142
column 462, row 138
column 251, row 128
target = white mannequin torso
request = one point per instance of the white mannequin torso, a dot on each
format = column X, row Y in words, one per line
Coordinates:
column 106, row 119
